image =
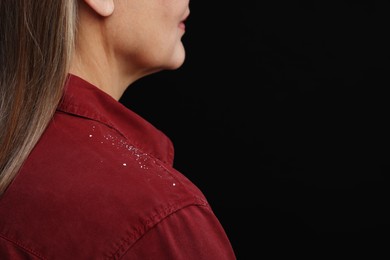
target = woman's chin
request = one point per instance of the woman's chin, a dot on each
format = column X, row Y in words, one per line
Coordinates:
column 177, row 60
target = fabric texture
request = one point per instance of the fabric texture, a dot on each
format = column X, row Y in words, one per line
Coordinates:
column 100, row 184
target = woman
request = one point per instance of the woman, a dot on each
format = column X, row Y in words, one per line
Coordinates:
column 83, row 177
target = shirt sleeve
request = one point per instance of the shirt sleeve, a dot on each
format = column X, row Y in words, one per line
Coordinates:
column 192, row 233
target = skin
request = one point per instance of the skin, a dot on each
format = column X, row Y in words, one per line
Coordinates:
column 121, row 41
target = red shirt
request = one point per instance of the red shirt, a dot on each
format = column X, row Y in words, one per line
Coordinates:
column 100, row 185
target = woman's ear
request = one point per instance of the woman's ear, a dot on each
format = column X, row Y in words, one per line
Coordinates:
column 101, row 7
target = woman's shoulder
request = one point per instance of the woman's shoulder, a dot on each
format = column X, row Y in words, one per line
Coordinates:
column 86, row 187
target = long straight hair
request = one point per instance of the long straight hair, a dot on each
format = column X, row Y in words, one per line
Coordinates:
column 36, row 44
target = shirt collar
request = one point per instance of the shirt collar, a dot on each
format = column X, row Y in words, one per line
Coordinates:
column 83, row 99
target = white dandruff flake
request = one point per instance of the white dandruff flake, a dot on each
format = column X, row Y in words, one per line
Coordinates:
column 124, row 164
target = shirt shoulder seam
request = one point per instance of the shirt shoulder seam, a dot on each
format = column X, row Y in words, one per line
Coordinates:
column 152, row 223
column 22, row 247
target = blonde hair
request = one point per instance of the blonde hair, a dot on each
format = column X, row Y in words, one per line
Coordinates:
column 36, row 43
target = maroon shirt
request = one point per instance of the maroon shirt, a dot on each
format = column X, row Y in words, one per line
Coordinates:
column 100, row 185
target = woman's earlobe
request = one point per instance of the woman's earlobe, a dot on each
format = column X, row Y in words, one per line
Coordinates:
column 102, row 7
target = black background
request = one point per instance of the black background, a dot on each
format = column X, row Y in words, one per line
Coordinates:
column 280, row 116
